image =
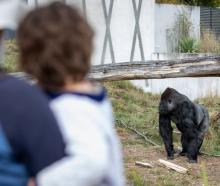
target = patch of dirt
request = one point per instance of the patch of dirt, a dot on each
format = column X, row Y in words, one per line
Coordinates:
column 135, row 150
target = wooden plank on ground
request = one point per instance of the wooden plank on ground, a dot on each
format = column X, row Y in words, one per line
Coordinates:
column 142, row 164
column 173, row 166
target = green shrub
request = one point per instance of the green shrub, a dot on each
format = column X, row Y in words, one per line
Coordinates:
column 188, row 45
column 179, row 32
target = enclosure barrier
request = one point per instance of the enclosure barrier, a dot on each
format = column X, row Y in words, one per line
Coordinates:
column 193, row 67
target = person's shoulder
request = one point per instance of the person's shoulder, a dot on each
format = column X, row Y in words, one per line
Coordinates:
column 11, row 82
column 13, row 86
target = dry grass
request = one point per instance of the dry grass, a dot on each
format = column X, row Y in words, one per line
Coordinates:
column 140, row 111
column 209, row 43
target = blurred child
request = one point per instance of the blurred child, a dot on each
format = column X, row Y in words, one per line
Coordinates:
column 56, row 46
column 28, row 128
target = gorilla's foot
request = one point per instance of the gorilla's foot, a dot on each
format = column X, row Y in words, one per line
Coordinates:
column 193, row 161
column 170, row 157
column 182, row 153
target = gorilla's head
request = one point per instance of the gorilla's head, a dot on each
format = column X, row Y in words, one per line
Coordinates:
column 169, row 101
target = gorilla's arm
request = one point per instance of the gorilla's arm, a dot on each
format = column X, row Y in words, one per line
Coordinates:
column 166, row 133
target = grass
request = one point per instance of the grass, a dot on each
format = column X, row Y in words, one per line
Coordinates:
column 139, row 110
column 137, row 179
column 135, row 108
column 204, row 174
column 209, row 43
column 212, row 140
column 11, row 56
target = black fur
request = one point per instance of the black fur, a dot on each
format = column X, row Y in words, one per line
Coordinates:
column 191, row 119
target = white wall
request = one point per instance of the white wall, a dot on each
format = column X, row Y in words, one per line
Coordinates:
column 154, row 21
column 122, row 28
column 192, row 87
column 165, row 17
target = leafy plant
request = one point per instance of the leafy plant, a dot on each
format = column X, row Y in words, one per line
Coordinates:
column 188, row 45
column 211, row 3
column 168, row 1
column 179, row 32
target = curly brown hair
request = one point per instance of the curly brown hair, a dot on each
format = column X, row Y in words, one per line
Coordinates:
column 55, row 44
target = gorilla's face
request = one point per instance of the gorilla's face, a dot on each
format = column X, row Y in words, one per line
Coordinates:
column 168, row 102
column 167, row 106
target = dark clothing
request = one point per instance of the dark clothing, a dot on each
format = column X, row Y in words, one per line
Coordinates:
column 30, row 138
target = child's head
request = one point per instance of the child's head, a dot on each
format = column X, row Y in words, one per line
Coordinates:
column 55, row 45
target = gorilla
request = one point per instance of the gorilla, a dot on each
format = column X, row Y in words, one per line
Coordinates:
column 191, row 119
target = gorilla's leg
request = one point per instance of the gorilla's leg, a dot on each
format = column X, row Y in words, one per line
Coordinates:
column 200, row 141
column 203, row 126
column 184, row 146
column 166, row 130
column 192, row 151
column 192, row 146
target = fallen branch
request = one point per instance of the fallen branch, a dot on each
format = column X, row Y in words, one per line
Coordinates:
column 138, row 133
column 142, row 164
column 173, row 166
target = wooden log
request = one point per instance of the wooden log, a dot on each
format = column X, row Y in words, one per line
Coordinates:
column 142, row 164
column 173, row 166
column 192, row 67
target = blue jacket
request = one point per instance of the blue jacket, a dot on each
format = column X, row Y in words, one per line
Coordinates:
column 30, row 139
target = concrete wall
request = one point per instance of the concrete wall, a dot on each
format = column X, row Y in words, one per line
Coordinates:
column 165, row 17
column 154, row 22
column 192, row 87
column 122, row 28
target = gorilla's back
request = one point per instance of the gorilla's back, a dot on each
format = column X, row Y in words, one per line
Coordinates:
column 202, row 117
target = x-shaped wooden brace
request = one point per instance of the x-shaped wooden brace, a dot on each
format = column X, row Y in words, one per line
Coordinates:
column 108, row 37
column 137, row 32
